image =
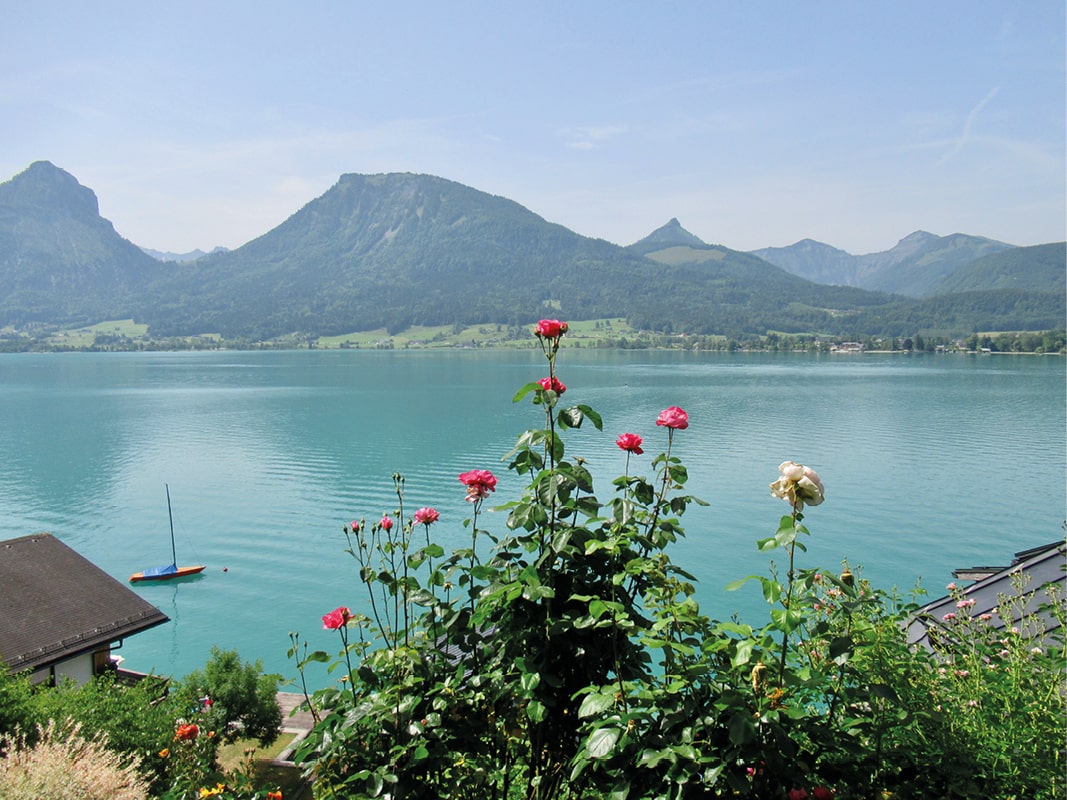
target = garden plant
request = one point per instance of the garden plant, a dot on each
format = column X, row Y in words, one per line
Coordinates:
column 565, row 656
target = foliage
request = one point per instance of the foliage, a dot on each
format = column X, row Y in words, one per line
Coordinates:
column 1037, row 268
column 566, row 657
column 235, row 698
column 136, row 718
column 16, row 702
column 64, row 765
column 172, row 730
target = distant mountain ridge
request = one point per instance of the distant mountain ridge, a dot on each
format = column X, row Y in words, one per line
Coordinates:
column 400, row 249
column 192, row 255
column 914, row 267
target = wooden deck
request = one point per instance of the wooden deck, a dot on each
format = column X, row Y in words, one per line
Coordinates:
column 302, row 721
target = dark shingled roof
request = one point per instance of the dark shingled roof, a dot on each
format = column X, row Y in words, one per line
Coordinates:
column 55, row 604
column 1046, row 565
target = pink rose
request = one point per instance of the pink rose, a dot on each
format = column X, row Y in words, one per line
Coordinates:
column 386, row 523
column 821, row 793
column 554, row 384
column 336, row 619
column 551, row 328
column 673, row 417
column 797, row 794
column 479, row 483
column 427, row 516
column 630, row 442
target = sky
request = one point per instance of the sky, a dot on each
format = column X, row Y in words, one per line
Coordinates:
column 755, row 124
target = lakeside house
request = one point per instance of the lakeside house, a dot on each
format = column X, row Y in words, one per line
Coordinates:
column 61, row 616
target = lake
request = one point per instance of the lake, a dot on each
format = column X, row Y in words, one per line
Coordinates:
column 930, row 462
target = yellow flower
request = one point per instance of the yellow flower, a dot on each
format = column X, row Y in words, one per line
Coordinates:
column 164, row 752
column 219, row 789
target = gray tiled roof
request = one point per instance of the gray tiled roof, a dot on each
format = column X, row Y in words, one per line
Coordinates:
column 55, row 604
column 1045, row 565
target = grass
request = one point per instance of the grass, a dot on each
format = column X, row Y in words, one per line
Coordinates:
column 480, row 336
column 267, row 775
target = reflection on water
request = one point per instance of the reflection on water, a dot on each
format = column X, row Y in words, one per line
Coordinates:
column 930, row 463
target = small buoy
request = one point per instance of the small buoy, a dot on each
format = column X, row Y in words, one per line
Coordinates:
column 225, row 569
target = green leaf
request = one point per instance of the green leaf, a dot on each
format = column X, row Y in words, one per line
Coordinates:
column 733, row 586
column 743, row 654
column 772, row 590
column 592, row 416
column 525, row 390
column 535, row 711
column 596, row 704
column 840, row 646
column 570, row 417
column 602, row 741
column 786, row 620
column 529, row 681
column 742, row 729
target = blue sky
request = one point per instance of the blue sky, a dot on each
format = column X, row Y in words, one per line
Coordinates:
column 755, row 124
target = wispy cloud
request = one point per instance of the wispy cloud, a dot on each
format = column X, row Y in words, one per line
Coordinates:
column 968, row 125
column 589, row 137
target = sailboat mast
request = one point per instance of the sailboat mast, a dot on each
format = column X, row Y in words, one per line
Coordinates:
column 173, row 552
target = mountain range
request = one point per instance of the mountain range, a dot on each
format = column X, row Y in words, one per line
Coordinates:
column 400, row 249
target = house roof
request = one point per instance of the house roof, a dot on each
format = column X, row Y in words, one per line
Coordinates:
column 55, row 604
column 1044, row 565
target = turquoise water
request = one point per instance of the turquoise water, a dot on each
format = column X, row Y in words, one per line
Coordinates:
column 930, row 463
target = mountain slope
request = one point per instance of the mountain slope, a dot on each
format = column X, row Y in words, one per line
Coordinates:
column 815, row 261
column 1041, row 268
column 401, row 249
column 60, row 261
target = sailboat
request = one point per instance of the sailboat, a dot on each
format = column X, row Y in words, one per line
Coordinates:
column 171, row 570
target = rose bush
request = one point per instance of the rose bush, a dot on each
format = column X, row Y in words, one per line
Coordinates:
column 564, row 655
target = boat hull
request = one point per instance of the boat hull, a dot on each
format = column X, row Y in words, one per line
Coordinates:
column 180, row 572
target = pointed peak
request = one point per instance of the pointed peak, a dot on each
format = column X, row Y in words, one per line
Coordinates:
column 672, row 234
column 43, row 184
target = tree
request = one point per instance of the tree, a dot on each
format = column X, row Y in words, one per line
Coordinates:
column 237, row 698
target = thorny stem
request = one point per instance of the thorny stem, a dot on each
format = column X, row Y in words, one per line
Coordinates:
column 788, row 598
column 294, row 637
column 398, row 482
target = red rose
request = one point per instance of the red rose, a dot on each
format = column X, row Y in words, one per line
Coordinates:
column 479, row 483
column 427, row 516
column 798, row 794
column 336, row 619
column 821, row 793
column 630, row 442
column 554, row 384
column 673, row 417
column 551, row 328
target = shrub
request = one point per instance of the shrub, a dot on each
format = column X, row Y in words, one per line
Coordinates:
column 63, row 765
column 17, row 710
column 235, row 698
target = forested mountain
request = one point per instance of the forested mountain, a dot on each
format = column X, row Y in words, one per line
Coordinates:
column 913, row 267
column 1039, row 268
column 60, row 261
column 396, row 250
